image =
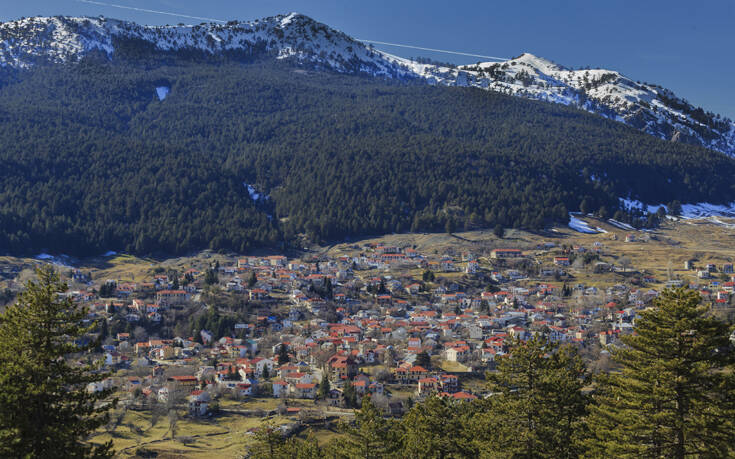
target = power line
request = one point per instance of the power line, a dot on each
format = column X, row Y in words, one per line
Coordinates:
column 434, row 50
column 144, row 10
column 169, row 13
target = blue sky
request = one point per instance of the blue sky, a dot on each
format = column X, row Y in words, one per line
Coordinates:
column 683, row 45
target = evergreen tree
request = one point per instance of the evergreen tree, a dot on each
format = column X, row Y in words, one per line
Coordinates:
column 104, row 330
column 324, row 386
column 423, row 360
column 45, row 408
column 283, row 354
column 268, row 442
column 675, row 208
column 585, row 206
column 210, row 278
column 252, row 280
column 538, row 405
column 450, row 226
column 371, row 436
column 107, row 290
column 265, row 375
column 499, row 231
column 296, row 448
column 674, row 396
column 437, row 428
column 349, row 395
column 328, row 289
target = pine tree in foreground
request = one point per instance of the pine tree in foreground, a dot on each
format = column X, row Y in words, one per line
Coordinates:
column 268, row 442
column 538, row 405
column 370, row 437
column 674, row 396
column 45, row 409
column 437, row 428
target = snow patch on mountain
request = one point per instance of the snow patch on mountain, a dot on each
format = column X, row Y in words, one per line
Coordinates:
column 59, row 260
column 255, row 195
column 581, row 226
column 704, row 209
column 620, row 225
column 630, row 204
column 162, row 92
column 688, row 211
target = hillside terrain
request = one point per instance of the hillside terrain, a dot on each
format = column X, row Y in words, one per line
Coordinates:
column 116, row 136
column 190, row 153
column 639, row 268
column 645, row 106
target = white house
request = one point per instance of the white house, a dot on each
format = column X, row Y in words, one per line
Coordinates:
column 261, row 363
column 198, row 403
column 457, row 353
column 280, row 389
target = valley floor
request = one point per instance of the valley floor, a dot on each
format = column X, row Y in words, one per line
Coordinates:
column 637, row 263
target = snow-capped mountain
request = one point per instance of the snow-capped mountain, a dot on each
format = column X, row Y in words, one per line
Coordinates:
column 57, row 39
column 650, row 108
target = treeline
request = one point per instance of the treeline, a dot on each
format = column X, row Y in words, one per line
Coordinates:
column 673, row 396
column 93, row 161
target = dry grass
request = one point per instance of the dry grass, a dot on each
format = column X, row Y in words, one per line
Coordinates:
column 676, row 242
column 705, row 240
column 222, row 436
column 453, row 367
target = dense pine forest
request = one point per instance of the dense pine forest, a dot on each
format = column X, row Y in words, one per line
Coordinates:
column 92, row 160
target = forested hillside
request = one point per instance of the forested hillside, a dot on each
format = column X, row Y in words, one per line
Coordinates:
column 648, row 107
column 92, row 160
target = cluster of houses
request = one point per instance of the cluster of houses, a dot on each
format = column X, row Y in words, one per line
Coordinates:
column 378, row 318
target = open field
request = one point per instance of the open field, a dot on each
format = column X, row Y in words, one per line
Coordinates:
column 225, row 435
column 453, row 367
column 710, row 240
column 664, row 250
column 675, row 242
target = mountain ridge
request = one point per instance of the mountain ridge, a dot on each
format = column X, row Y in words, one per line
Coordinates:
column 95, row 159
column 647, row 107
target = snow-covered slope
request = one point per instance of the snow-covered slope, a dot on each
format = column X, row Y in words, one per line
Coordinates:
column 650, row 108
column 57, row 39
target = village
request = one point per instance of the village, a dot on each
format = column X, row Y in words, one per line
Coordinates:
column 307, row 337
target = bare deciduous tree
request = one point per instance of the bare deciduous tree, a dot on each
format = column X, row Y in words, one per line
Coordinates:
column 625, row 263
